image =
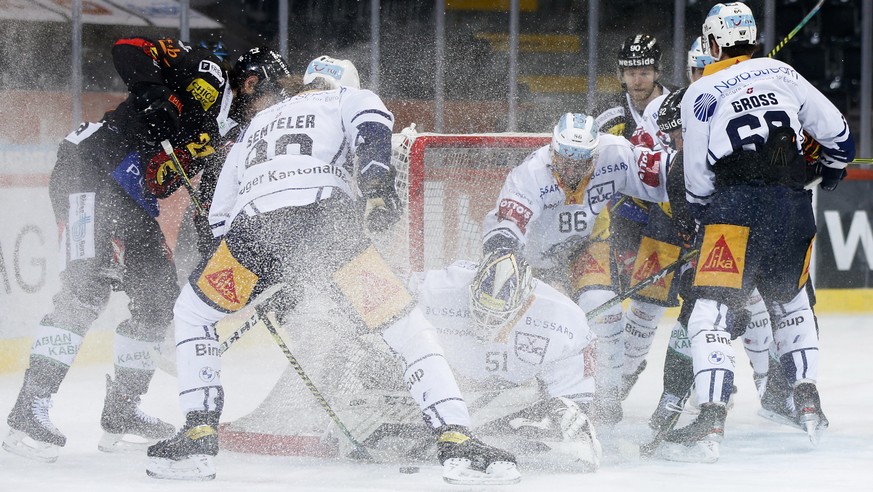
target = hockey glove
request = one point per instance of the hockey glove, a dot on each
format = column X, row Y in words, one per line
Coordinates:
column 382, row 212
column 159, row 109
column 830, row 176
column 570, row 418
column 161, row 177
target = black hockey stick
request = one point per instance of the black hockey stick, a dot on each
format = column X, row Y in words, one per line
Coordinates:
column 168, row 148
column 690, row 255
column 360, row 451
column 796, row 29
column 235, row 336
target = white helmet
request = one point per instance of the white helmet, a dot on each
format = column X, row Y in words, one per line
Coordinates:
column 335, row 72
column 575, row 136
column 500, row 288
column 731, row 24
column 696, row 57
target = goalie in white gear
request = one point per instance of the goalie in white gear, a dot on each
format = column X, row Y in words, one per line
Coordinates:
column 284, row 212
column 514, row 330
column 547, row 210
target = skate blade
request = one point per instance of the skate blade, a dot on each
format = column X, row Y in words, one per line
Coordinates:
column 123, row 443
column 814, row 428
column 698, row 452
column 778, row 418
column 584, row 455
column 197, row 467
column 21, row 444
column 457, row 471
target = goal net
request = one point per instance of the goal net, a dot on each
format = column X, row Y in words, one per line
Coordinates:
column 447, row 184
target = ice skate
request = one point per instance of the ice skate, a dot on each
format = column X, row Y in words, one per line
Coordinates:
column 190, row 454
column 606, row 408
column 469, row 461
column 662, row 421
column 809, row 414
column 31, row 432
column 698, row 442
column 629, row 380
column 125, row 426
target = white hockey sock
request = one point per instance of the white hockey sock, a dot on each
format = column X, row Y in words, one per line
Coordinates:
column 609, row 329
column 796, row 338
column 711, row 350
column 135, row 354
column 428, row 376
column 57, row 344
column 641, row 321
column 198, row 360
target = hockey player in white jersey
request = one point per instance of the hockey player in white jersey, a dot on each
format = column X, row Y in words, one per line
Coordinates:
column 661, row 239
column 744, row 179
column 284, row 210
column 547, row 209
column 514, row 329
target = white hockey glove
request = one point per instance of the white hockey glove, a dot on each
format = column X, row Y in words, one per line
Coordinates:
column 569, row 417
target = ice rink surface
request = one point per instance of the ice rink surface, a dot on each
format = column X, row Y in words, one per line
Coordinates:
column 756, row 454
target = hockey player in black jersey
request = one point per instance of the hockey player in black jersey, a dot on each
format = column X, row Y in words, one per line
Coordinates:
column 104, row 190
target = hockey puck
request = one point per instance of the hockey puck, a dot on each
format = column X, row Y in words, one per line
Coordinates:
column 409, row 469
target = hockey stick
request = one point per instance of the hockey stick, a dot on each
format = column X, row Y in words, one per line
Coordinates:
column 651, row 279
column 235, row 336
column 863, row 160
column 360, row 452
column 168, row 148
column 796, row 29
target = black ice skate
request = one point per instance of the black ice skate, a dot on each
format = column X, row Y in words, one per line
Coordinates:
column 662, row 421
column 698, row 442
column 809, row 414
column 31, row 432
column 777, row 402
column 188, row 455
column 629, row 380
column 469, row 461
column 122, row 417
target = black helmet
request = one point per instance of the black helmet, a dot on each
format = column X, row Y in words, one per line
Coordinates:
column 267, row 64
column 639, row 50
column 670, row 111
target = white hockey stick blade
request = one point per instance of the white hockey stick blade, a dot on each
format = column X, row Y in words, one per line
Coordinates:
column 116, row 443
column 698, row 452
column 197, row 467
column 21, row 444
column 457, row 471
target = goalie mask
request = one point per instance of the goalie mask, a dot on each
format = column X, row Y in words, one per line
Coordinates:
column 730, row 24
column 334, row 72
column 574, row 141
column 499, row 290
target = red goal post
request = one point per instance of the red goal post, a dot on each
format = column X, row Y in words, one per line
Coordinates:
column 447, row 184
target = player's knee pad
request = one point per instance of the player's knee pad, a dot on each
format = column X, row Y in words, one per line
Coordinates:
column 794, row 331
column 82, row 298
column 758, row 338
column 198, row 363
